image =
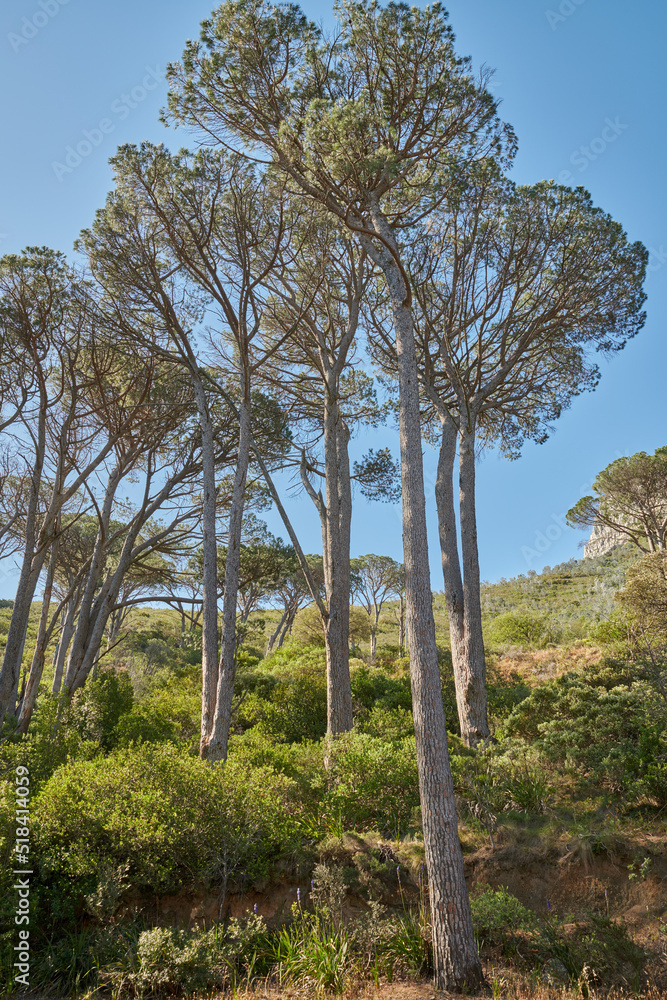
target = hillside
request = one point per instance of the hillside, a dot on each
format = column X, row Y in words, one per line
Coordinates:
column 561, row 818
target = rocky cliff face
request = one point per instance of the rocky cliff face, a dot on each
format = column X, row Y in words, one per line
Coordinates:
column 602, row 540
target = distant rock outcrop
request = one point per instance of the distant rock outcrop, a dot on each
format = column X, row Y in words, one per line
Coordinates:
column 602, row 540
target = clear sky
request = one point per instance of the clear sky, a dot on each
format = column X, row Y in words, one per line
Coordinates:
column 583, row 83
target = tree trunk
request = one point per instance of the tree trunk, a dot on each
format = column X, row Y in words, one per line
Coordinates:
column 473, row 667
column 215, row 748
column 18, row 626
column 37, row 665
column 82, row 636
column 31, row 568
column 210, row 565
column 456, row 961
column 274, row 635
column 287, row 629
column 336, row 535
column 66, row 634
column 465, row 679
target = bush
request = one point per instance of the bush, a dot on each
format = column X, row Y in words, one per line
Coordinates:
column 169, row 711
column 145, row 724
column 49, row 743
column 369, row 783
column 373, row 784
column 171, row 819
column 388, row 724
column 297, row 709
column 497, row 915
column 527, row 629
column 614, row 734
column 99, row 705
column 373, row 688
column 190, row 961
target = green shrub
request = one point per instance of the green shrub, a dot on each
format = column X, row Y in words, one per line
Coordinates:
column 523, row 629
column 369, row 783
column 169, row 711
column 600, row 945
column 98, row 706
column 296, row 709
column 373, row 784
column 49, row 743
column 373, row 688
column 497, row 915
column 388, row 724
column 190, row 961
column 615, row 735
column 172, row 819
column 145, row 724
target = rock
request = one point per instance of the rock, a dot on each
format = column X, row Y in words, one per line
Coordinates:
column 602, row 540
column 554, row 973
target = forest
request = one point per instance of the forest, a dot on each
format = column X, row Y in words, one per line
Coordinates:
column 230, row 766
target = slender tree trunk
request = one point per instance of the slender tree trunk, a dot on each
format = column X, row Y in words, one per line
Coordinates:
column 466, row 679
column 37, row 665
column 374, row 632
column 215, row 748
column 336, row 533
column 81, row 638
column 473, row 668
column 210, row 566
column 456, row 961
column 31, row 568
column 66, row 634
column 18, row 626
column 287, row 629
column 274, row 635
column 401, row 624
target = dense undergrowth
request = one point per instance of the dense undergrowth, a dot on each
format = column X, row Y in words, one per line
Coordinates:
column 123, row 812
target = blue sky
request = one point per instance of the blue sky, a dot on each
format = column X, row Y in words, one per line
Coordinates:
column 582, row 82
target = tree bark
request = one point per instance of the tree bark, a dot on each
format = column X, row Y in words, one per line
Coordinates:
column 336, row 536
column 31, row 568
column 82, row 637
column 470, row 687
column 37, row 665
column 401, row 624
column 472, row 669
column 274, row 635
column 215, row 748
column 66, row 633
column 210, row 565
column 456, row 961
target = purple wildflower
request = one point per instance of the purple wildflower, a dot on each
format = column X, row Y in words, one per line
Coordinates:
column 298, row 895
column 548, row 905
column 254, row 909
